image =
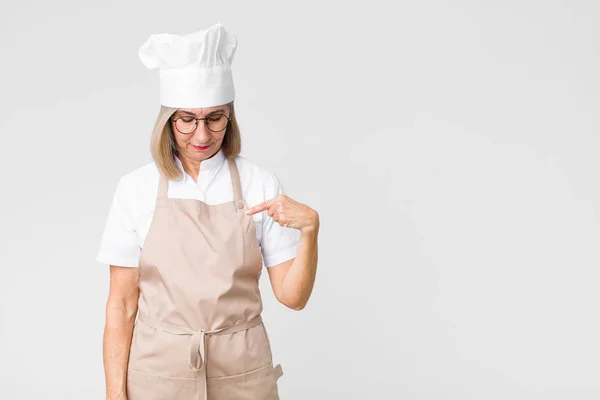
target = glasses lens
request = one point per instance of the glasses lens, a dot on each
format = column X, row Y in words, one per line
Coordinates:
column 216, row 122
column 186, row 125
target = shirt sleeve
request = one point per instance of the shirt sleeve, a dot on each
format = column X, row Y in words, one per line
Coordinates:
column 119, row 244
column 278, row 243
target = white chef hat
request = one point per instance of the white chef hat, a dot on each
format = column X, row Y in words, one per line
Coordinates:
column 195, row 69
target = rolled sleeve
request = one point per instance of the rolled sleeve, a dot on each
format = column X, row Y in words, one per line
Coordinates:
column 278, row 243
column 119, row 244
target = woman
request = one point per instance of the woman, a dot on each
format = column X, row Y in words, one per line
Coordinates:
column 186, row 249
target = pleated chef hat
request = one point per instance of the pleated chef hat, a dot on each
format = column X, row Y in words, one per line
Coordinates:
column 194, row 69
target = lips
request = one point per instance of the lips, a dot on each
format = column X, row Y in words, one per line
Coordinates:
column 201, row 147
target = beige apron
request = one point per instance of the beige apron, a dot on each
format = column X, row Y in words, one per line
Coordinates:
column 199, row 333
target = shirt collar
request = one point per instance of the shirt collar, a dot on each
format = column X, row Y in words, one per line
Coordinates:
column 206, row 166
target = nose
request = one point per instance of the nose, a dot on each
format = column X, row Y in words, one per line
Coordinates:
column 202, row 133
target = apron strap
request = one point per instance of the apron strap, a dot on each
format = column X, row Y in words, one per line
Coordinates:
column 162, row 186
column 235, row 180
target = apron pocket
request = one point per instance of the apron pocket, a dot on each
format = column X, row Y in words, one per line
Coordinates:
column 259, row 384
column 144, row 386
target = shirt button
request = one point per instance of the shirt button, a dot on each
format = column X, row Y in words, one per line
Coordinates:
column 240, row 205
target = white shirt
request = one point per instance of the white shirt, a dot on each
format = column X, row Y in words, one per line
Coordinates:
column 134, row 200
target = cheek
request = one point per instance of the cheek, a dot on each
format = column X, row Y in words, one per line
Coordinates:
column 181, row 140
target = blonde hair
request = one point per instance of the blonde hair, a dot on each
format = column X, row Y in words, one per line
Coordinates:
column 164, row 147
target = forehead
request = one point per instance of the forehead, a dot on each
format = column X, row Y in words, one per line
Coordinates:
column 201, row 111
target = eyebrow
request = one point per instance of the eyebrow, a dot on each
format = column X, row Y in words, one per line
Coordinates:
column 191, row 113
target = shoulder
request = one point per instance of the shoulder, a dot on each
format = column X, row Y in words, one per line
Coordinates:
column 256, row 172
column 142, row 176
column 136, row 187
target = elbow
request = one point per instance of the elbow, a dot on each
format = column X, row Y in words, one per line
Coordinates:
column 296, row 306
column 299, row 307
column 294, row 301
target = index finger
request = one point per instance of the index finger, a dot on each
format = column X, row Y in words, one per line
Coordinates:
column 260, row 207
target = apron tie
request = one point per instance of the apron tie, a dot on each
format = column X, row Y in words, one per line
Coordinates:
column 197, row 350
column 198, row 343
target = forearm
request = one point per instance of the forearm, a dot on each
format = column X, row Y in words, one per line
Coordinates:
column 300, row 278
column 116, row 345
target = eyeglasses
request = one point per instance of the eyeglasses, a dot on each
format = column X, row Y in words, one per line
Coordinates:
column 214, row 122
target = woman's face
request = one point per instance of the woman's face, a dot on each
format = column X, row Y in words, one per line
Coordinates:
column 202, row 143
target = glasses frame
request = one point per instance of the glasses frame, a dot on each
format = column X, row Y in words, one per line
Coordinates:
column 198, row 119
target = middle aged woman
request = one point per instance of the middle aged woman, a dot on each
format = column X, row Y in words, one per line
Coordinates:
column 186, row 250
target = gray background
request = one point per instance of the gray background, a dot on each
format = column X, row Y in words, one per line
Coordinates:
column 451, row 149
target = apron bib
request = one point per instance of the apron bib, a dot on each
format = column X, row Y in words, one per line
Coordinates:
column 199, row 333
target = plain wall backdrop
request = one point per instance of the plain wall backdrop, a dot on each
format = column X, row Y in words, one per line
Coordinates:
column 450, row 148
